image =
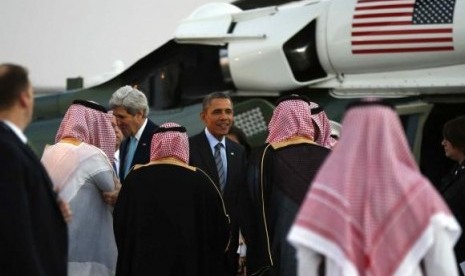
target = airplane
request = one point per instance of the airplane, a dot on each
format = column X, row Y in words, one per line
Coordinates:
column 411, row 52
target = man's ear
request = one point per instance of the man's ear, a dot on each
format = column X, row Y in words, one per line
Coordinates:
column 140, row 114
column 202, row 116
column 25, row 99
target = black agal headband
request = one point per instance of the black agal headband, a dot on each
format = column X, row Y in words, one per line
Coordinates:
column 92, row 105
column 166, row 129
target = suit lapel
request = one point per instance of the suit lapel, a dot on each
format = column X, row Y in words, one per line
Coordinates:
column 230, row 158
column 207, row 158
column 122, row 157
column 30, row 154
column 141, row 148
column 142, row 154
column 234, row 162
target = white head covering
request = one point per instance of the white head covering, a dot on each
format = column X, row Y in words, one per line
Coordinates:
column 369, row 207
column 90, row 123
column 170, row 140
column 291, row 118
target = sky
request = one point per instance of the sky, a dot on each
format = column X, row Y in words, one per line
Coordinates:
column 93, row 39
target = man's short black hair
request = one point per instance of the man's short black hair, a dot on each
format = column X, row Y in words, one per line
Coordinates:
column 215, row 95
column 13, row 81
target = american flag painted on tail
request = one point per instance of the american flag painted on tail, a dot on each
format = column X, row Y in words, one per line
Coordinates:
column 402, row 26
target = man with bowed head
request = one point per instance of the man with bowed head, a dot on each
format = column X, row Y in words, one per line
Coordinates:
column 80, row 165
column 369, row 211
column 130, row 107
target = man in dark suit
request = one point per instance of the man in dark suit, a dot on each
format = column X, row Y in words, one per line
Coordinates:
column 217, row 115
column 130, row 107
column 33, row 232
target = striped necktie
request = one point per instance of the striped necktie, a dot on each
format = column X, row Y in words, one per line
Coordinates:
column 220, row 166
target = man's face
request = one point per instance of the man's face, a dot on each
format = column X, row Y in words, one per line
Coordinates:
column 30, row 103
column 118, row 133
column 451, row 151
column 129, row 124
column 218, row 117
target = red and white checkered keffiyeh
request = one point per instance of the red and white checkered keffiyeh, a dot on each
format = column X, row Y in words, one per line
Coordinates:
column 170, row 144
column 323, row 130
column 90, row 126
column 290, row 118
column 369, row 207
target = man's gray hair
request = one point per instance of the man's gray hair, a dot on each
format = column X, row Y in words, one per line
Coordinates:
column 131, row 99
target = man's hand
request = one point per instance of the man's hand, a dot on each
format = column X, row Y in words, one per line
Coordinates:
column 111, row 197
column 65, row 210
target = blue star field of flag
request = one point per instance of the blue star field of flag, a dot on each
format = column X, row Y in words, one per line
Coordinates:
column 433, row 12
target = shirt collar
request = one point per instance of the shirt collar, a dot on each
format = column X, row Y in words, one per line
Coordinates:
column 17, row 131
column 141, row 129
column 212, row 140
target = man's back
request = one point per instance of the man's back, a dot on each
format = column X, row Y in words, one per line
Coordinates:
column 33, row 232
column 279, row 180
column 176, row 226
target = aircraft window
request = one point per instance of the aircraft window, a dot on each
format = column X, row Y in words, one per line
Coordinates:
column 413, row 117
column 251, row 121
column 410, row 124
column 301, row 54
column 252, row 116
column 178, row 74
column 160, row 86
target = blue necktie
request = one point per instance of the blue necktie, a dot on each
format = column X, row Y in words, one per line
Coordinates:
column 130, row 155
column 220, row 166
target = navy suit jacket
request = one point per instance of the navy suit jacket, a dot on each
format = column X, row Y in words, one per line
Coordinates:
column 142, row 153
column 201, row 156
column 33, row 233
